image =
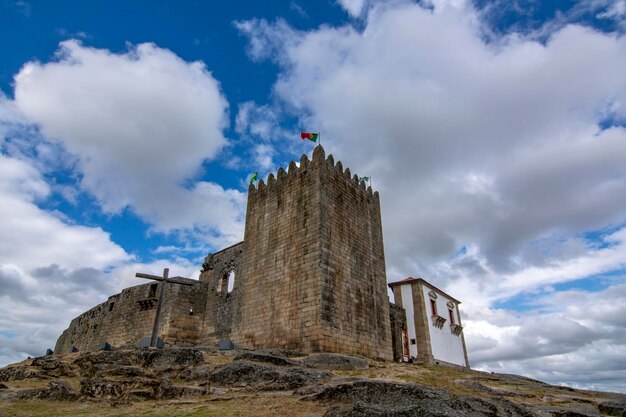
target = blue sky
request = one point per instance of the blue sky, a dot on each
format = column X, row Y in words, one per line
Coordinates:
column 494, row 131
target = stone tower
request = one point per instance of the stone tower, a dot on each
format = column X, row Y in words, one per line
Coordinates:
column 313, row 274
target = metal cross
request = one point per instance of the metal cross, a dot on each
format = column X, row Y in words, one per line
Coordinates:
column 165, row 279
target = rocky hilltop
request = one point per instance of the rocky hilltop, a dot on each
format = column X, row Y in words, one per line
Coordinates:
column 206, row 382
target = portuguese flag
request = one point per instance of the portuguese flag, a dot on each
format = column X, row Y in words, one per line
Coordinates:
column 310, row 136
column 254, row 177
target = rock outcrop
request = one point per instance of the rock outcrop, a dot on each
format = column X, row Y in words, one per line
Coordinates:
column 340, row 385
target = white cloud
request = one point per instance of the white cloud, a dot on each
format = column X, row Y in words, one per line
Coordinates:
column 353, row 7
column 52, row 270
column 10, row 118
column 492, row 145
column 48, row 237
column 579, row 340
column 424, row 93
column 257, row 121
column 263, row 156
column 259, row 126
column 32, row 281
column 614, row 11
column 525, row 18
column 140, row 124
column 137, row 128
column 298, row 9
column 268, row 39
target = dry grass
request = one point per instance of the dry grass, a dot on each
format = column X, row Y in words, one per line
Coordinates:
column 261, row 405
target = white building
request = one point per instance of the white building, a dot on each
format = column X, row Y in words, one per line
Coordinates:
column 434, row 333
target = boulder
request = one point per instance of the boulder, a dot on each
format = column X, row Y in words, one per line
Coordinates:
column 196, row 373
column 366, row 398
column 137, row 362
column 168, row 358
column 613, row 408
column 109, row 357
column 56, row 391
column 120, row 370
column 563, row 412
column 137, row 389
column 166, row 390
column 283, row 353
column 334, row 361
column 113, row 389
column 52, row 366
column 266, row 377
column 17, row 373
column 264, row 357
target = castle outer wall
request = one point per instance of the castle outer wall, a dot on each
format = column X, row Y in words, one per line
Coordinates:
column 125, row 318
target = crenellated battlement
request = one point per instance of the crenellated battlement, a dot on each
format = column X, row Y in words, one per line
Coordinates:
column 315, row 166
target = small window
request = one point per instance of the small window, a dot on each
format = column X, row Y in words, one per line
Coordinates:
column 433, row 307
column 111, row 306
column 451, row 313
column 413, row 341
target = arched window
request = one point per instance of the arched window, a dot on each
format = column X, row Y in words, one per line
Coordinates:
column 227, row 282
column 230, row 281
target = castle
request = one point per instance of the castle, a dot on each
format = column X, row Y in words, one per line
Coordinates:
column 309, row 276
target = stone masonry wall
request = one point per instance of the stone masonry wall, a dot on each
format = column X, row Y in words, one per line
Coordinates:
column 354, row 300
column 313, row 276
column 397, row 316
column 178, row 326
column 122, row 320
column 222, row 308
column 279, row 282
column 118, row 320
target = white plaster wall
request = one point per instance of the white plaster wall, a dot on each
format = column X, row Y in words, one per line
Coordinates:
column 445, row 346
column 407, row 303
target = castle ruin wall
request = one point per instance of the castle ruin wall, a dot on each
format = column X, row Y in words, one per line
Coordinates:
column 222, row 307
column 127, row 317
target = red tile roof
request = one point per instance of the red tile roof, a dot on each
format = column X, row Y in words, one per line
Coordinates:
column 409, row 279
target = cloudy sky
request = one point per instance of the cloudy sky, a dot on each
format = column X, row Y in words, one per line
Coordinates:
column 495, row 132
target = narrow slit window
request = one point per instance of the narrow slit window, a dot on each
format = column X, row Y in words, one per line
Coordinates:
column 153, row 289
column 451, row 313
column 433, row 307
column 230, row 283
